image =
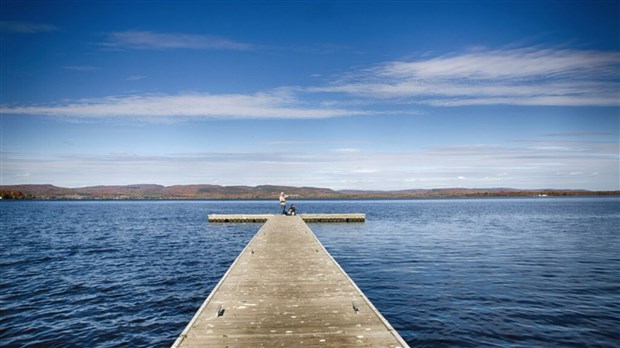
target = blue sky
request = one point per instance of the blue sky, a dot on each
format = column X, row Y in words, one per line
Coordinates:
column 345, row 95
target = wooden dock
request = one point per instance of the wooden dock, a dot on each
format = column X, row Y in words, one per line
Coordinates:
column 306, row 217
column 285, row 290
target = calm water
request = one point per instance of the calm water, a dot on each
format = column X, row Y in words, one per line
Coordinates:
column 445, row 273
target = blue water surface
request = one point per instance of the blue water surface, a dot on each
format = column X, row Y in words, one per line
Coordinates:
column 523, row 272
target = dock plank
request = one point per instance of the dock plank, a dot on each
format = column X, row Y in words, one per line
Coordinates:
column 285, row 289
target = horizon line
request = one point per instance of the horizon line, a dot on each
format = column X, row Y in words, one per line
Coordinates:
column 317, row 187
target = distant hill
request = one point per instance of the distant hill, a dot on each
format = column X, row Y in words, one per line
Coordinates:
column 149, row 191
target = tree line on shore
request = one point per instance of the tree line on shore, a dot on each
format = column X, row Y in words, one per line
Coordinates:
column 264, row 192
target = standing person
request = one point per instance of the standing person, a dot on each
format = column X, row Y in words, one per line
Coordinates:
column 283, row 198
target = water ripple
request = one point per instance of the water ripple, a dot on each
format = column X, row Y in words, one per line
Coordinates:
column 445, row 273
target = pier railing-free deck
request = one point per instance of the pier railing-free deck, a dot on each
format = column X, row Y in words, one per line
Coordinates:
column 357, row 217
column 285, row 290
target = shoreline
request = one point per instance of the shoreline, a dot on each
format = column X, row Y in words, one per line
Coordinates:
column 270, row 192
column 242, row 199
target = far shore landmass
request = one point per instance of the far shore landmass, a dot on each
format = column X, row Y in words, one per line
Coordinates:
column 149, row 191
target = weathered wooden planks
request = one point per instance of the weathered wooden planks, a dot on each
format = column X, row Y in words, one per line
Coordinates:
column 239, row 217
column 306, row 217
column 285, row 289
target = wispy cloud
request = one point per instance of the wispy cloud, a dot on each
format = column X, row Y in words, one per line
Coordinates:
column 145, row 40
column 136, row 77
column 560, row 165
column 526, row 76
column 521, row 165
column 580, row 134
column 347, row 150
column 236, row 106
column 25, row 27
column 81, row 68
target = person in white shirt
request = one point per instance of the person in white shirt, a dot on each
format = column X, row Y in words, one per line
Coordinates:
column 283, row 198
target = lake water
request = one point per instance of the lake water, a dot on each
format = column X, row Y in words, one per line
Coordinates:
column 503, row 272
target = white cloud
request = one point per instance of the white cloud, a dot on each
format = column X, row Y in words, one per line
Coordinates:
column 25, row 27
column 153, row 40
column 508, row 64
column 255, row 106
column 520, row 165
column 364, row 171
column 527, row 76
column 347, row 150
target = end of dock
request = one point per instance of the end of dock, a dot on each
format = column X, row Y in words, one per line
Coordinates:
column 261, row 218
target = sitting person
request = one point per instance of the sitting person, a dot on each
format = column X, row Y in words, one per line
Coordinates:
column 291, row 210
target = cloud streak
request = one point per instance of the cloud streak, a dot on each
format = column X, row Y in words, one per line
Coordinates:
column 526, row 76
column 136, row 77
column 25, row 27
column 531, row 164
column 81, row 68
column 217, row 106
column 148, row 40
